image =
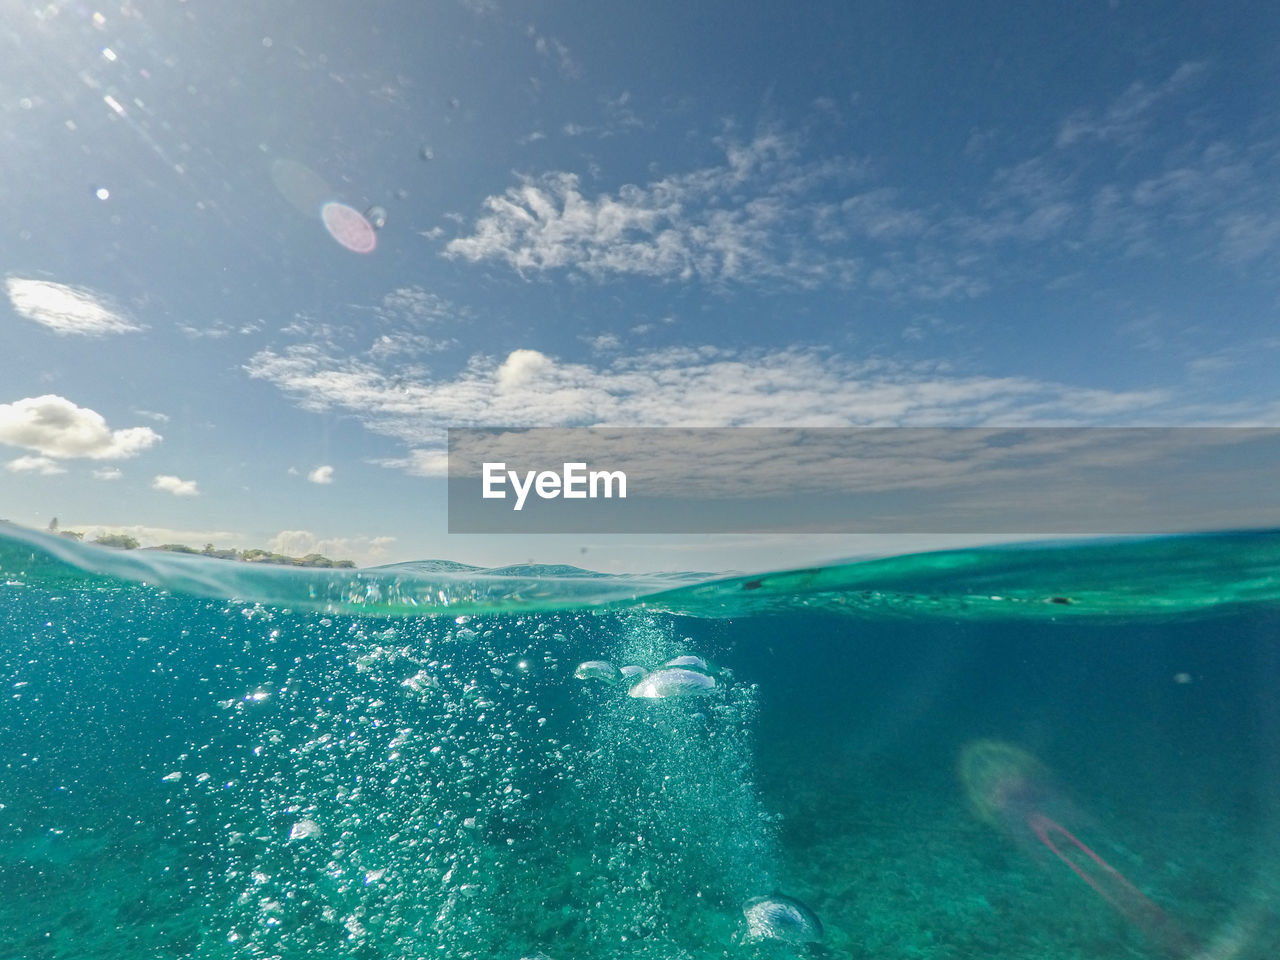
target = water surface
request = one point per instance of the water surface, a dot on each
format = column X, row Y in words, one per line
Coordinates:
column 205, row 758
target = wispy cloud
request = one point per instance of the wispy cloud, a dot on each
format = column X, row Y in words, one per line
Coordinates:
column 1138, row 179
column 617, row 116
column 1130, row 178
column 65, row 309
column 554, row 50
column 416, row 306
column 44, row 466
column 1127, row 117
column 55, row 427
column 680, row 387
column 405, row 331
column 221, row 329
column 743, row 220
column 321, row 475
column 1249, row 235
column 407, row 322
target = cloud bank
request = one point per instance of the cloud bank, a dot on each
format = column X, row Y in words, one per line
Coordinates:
column 702, row 386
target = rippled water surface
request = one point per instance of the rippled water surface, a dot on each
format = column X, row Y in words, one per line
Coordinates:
column 1067, row 751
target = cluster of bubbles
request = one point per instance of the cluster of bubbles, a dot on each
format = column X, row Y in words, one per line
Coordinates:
column 387, row 791
column 679, row 839
column 451, row 785
column 355, row 787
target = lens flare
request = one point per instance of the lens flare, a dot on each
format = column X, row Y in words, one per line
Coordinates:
column 348, row 226
column 1010, row 789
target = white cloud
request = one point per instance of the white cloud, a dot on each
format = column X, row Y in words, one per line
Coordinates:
column 107, row 473
column 56, row 427
column 703, row 386
column 65, row 309
column 44, row 466
column 176, row 486
column 521, row 369
column 362, row 550
column 422, row 462
column 323, row 474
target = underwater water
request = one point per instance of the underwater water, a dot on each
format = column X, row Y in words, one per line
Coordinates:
column 1069, row 750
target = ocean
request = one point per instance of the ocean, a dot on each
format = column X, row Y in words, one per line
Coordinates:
column 1063, row 750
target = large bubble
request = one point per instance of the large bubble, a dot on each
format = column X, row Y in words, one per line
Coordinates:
column 377, row 216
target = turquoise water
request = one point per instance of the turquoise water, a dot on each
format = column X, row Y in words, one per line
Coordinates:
column 211, row 759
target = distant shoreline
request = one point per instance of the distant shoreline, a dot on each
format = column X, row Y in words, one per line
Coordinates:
column 120, row 541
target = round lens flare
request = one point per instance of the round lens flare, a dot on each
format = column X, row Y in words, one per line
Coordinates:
column 349, row 227
column 1003, row 782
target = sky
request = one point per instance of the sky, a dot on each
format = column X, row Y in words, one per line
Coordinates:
column 659, row 214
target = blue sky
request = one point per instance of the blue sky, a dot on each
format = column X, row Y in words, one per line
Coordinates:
column 640, row 214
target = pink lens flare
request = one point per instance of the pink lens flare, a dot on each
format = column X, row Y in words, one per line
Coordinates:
column 1110, row 884
column 348, row 226
column 1009, row 789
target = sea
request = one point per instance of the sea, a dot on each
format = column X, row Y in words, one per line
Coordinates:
column 1050, row 751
